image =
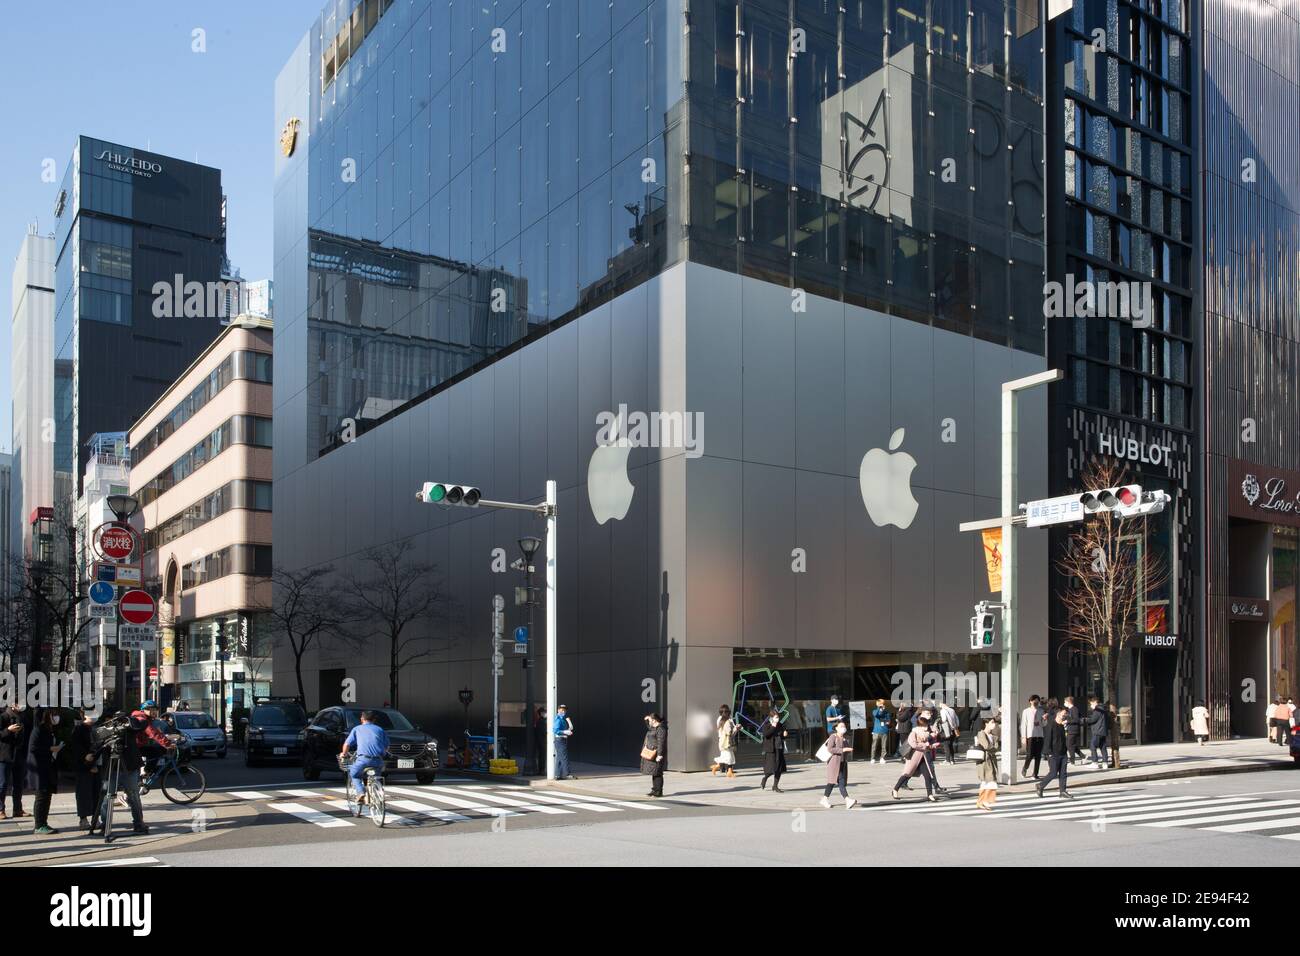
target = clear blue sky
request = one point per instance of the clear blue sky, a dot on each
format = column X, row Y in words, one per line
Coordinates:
column 126, row 72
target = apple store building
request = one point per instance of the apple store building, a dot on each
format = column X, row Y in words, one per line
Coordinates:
column 717, row 293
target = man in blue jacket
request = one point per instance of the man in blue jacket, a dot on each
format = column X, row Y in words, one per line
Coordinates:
column 562, row 728
column 881, row 721
column 370, row 741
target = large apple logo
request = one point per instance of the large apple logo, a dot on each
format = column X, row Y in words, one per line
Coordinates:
column 608, row 489
column 887, row 484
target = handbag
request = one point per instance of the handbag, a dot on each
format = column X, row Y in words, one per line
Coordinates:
column 824, row 754
column 648, row 753
column 976, row 754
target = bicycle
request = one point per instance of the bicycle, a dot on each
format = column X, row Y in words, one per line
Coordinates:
column 180, row 783
column 374, row 792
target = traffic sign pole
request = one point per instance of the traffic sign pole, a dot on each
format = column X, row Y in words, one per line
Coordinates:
column 498, row 622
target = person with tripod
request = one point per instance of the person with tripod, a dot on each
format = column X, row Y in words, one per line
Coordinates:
column 120, row 765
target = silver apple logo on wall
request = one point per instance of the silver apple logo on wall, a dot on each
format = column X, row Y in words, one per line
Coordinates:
column 886, row 481
column 608, row 489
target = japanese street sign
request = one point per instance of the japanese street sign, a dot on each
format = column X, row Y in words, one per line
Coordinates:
column 105, row 611
column 101, row 592
column 1046, row 511
column 124, row 574
column 137, row 607
column 136, row 637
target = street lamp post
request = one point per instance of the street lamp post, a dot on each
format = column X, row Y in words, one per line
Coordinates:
column 528, row 546
column 123, row 507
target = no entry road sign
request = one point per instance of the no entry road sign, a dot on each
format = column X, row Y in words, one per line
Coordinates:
column 137, row 607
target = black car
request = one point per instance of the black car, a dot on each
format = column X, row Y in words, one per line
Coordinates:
column 410, row 749
column 274, row 732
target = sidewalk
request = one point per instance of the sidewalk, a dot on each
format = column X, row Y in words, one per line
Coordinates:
column 870, row 783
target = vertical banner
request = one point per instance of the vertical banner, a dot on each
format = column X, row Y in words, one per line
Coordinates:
column 857, row 715
column 993, row 558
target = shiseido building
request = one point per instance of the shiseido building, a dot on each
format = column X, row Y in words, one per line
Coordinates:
column 743, row 278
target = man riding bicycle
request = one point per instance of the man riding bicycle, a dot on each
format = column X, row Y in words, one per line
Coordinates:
column 153, row 743
column 370, row 741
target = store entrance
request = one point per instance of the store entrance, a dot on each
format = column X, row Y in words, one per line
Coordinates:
column 1159, row 678
column 1247, row 677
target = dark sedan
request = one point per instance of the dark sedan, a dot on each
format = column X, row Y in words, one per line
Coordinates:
column 410, row 750
column 274, row 732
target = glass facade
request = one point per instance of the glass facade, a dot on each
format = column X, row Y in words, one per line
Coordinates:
column 479, row 173
column 882, row 152
column 1128, row 174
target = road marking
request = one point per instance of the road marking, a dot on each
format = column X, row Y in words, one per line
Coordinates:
column 634, row 804
column 1059, row 812
column 504, row 801
column 577, row 803
column 1291, row 821
column 132, row 861
column 1037, row 806
column 389, row 818
column 453, row 801
column 250, row 794
column 447, row 816
column 1164, row 811
column 317, row 817
column 304, row 793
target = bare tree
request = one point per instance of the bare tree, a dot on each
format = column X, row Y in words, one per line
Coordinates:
column 303, row 612
column 1109, row 572
column 15, row 614
column 399, row 597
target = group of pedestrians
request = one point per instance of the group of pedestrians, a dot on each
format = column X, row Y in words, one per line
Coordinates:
column 1038, row 738
column 1281, row 721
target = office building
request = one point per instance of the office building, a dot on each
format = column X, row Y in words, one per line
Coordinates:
column 743, row 279
column 32, row 382
column 201, row 472
column 139, row 249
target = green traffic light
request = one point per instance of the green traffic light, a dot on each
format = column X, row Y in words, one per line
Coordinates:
column 437, row 493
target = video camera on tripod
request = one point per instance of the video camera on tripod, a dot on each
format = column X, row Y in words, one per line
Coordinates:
column 111, row 734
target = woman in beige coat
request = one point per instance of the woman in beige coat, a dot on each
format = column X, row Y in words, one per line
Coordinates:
column 922, row 741
column 988, row 739
column 726, row 758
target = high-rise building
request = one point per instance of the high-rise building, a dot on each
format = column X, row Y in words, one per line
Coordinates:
column 139, row 250
column 744, row 279
column 1250, row 413
column 32, row 381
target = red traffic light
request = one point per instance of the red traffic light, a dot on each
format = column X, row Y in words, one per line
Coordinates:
column 1126, row 496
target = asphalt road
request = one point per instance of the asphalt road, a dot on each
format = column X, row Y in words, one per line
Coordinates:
column 270, row 816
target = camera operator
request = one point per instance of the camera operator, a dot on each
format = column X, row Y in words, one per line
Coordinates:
column 124, row 747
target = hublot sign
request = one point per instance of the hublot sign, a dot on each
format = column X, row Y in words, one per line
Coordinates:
column 123, row 163
column 1134, row 450
column 1263, row 493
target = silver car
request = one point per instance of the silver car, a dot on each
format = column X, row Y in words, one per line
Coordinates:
column 205, row 734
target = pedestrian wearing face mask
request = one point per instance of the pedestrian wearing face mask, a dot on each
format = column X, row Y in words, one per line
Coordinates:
column 42, row 774
column 774, row 738
column 834, row 714
column 87, row 767
column 13, row 762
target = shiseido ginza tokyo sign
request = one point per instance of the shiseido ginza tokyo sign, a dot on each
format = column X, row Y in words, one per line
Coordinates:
column 129, row 164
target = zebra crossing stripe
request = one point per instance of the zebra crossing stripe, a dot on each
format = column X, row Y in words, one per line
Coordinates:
column 1037, row 806
column 1112, row 810
column 453, row 801
column 250, row 794
column 1250, row 826
column 318, row 817
column 504, row 801
column 576, row 803
column 634, row 804
column 447, row 816
column 1212, row 816
column 132, row 861
column 1164, row 811
column 389, row 818
column 304, row 793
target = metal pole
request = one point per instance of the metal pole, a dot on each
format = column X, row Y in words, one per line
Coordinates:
column 1010, row 647
column 551, row 636
column 498, row 604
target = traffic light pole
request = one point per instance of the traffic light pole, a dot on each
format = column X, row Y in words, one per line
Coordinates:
column 1011, row 610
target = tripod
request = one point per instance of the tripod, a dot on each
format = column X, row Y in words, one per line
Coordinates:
column 112, row 771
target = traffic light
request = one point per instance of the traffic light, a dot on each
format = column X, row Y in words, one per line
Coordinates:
column 983, row 630
column 1125, row 501
column 440, row 493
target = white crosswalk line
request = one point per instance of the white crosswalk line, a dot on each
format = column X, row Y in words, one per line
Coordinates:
column 1058, row 812
column 1287, row 836
column 634, row 804
column 447, row 816
column 132, row 861
column 250, row 794
column 504, row 801
column 1251, row 826
column 389, row 818
column 304, row 793
column 1038, row 806
column 453, row 801
column 318, row 817
column 576, row 803
column 1164, row 811
column 1214, row 816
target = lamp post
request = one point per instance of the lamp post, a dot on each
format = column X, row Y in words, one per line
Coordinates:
column 466, row 698
column 528, row 546
column 123, row 508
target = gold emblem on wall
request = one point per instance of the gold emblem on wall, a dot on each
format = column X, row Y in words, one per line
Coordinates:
column 289, row 136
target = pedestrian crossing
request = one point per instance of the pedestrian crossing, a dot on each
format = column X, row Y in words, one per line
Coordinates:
column 415, row 805
column 1100, row 807
column 150, row 861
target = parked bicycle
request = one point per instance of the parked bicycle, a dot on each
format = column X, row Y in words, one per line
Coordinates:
column 180, row 783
